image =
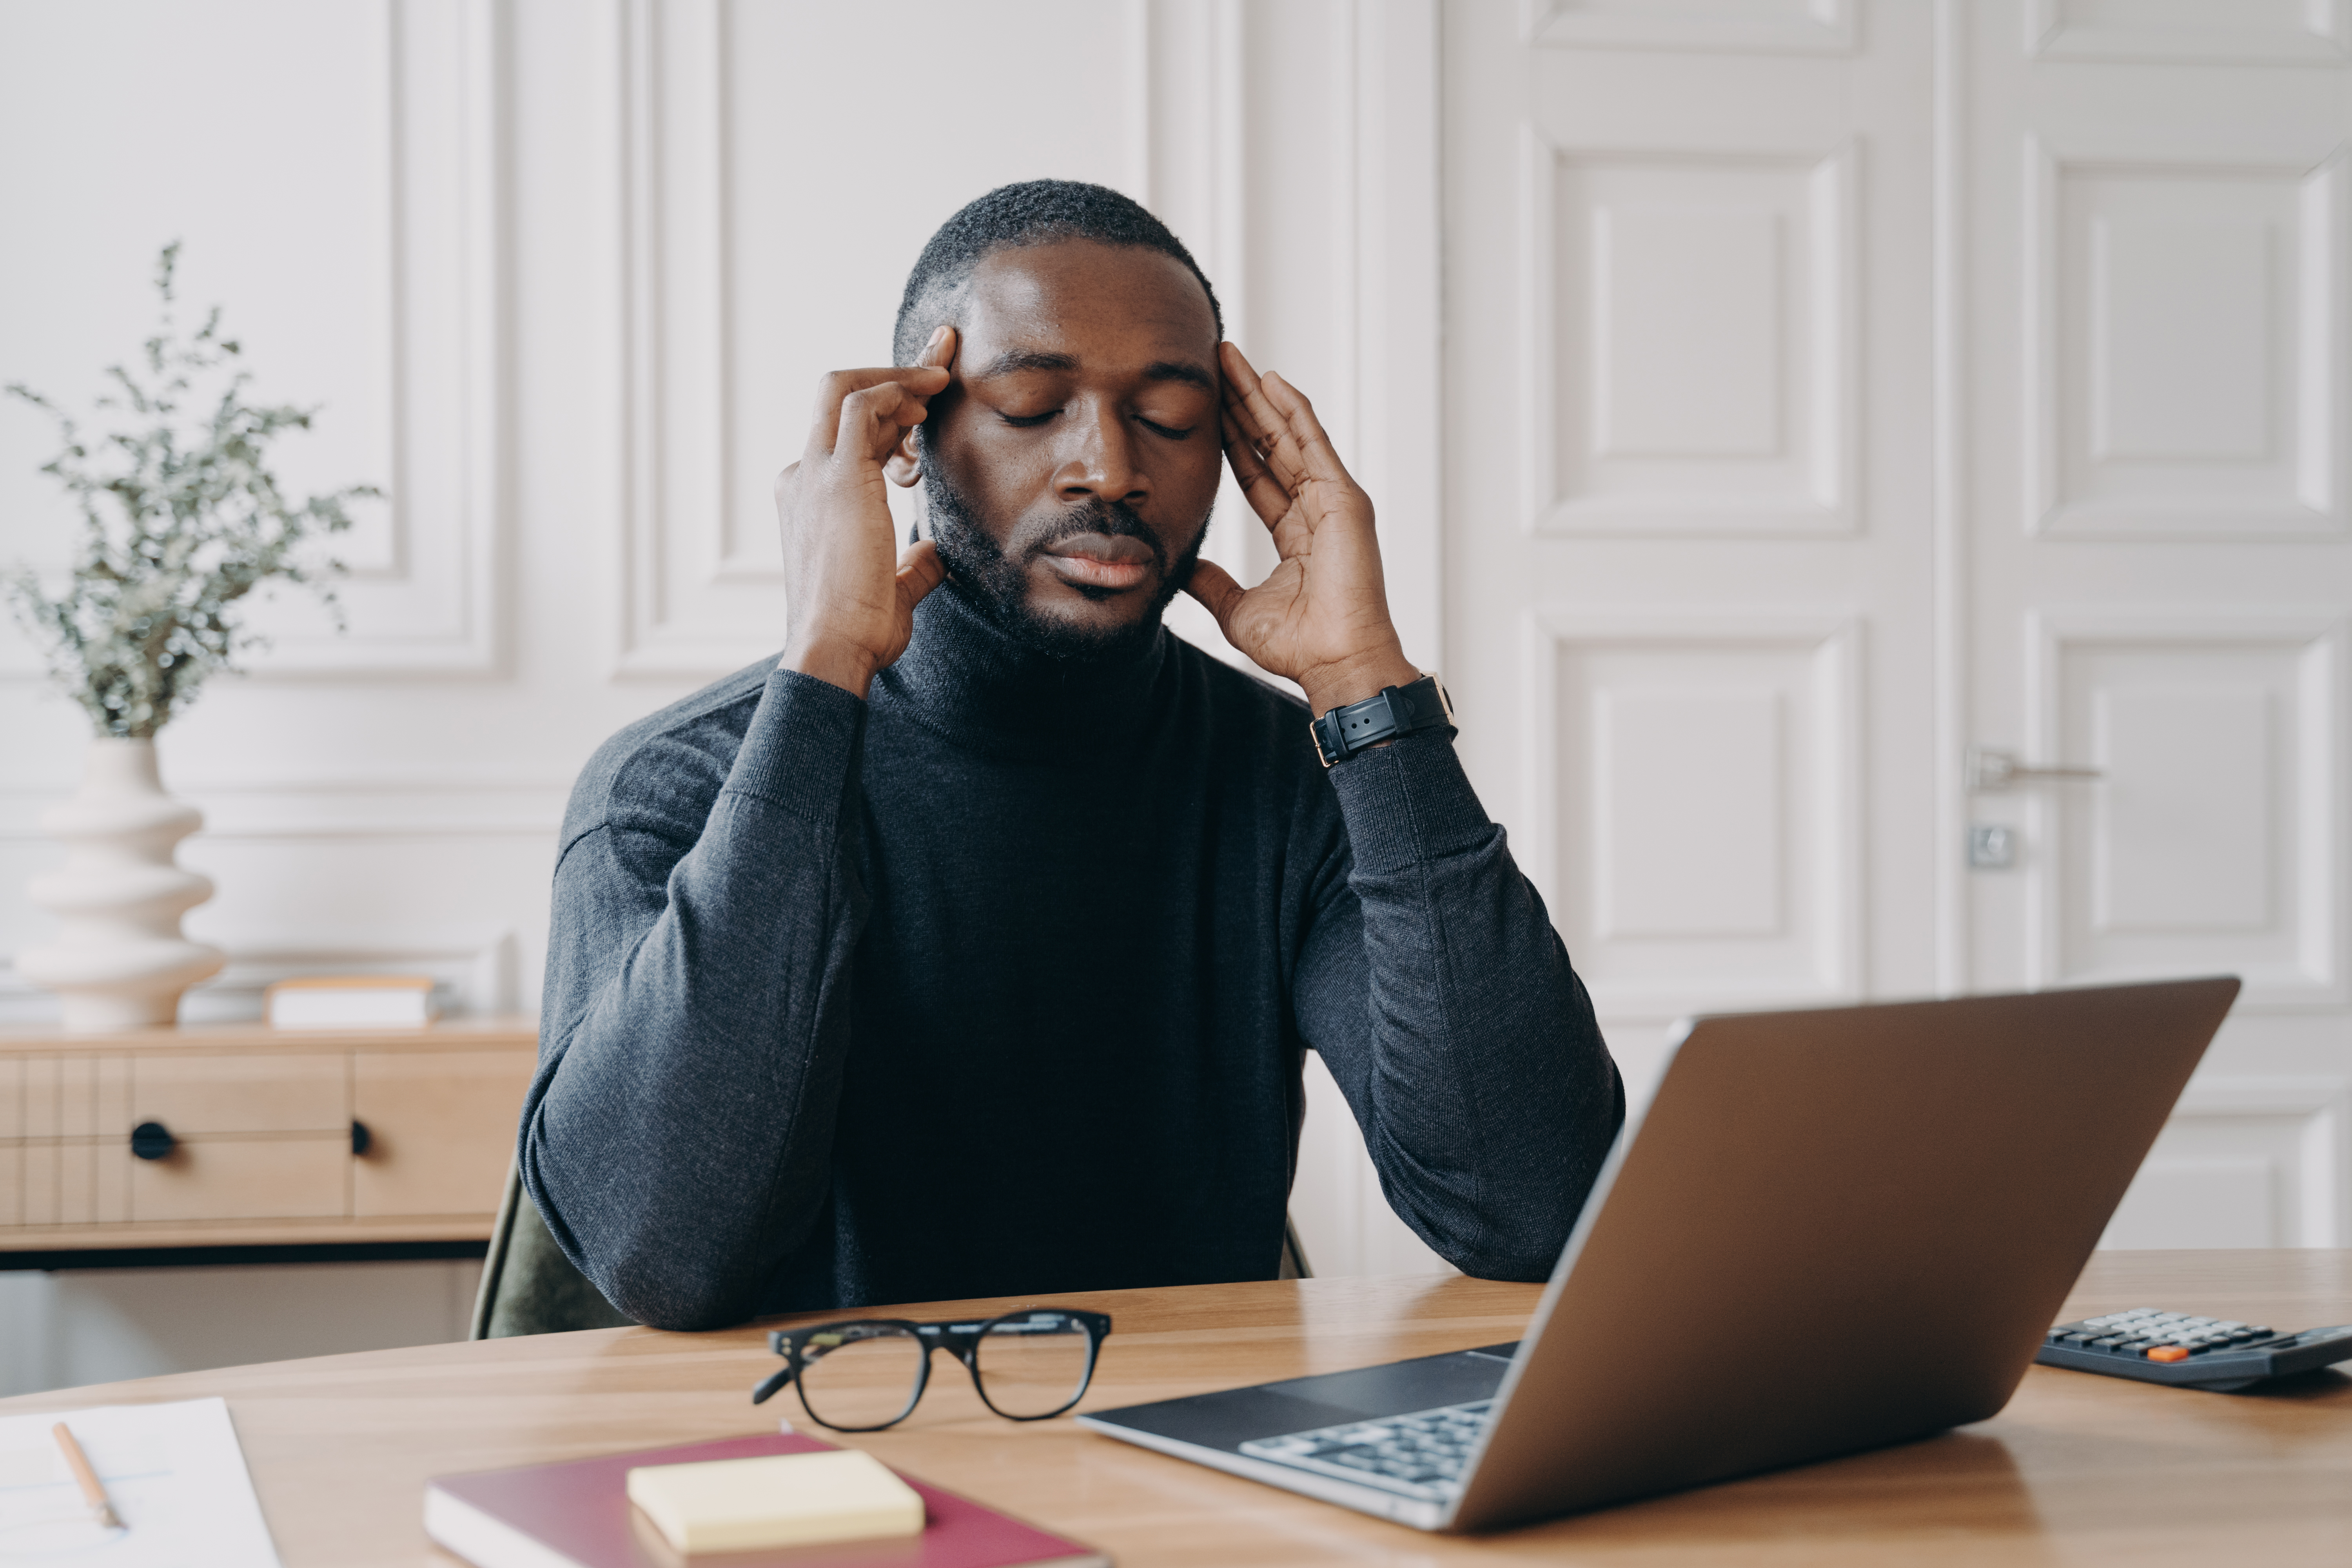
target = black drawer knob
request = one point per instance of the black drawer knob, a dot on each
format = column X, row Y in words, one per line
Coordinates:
column 361, row 1138
column 152, row 1141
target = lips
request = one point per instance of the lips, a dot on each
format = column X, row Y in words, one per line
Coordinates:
column 1100, row 560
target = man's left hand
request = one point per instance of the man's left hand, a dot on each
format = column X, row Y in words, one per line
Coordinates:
column 1321, row 617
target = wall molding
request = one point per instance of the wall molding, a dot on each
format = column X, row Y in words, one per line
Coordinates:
column 471, row 975
column 1820, row 27
column 2323, row 1105
column 348, row 809
column 435, row 606
column 2319, row 978
column 673, row 174
column 2319, row 274
column 1951, row 454
column 1830, row 453
column 425, row 594
column 2324, row 38
column 692, row 596
column 1837, row 959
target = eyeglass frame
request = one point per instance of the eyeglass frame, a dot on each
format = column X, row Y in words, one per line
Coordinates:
column 961, row 1338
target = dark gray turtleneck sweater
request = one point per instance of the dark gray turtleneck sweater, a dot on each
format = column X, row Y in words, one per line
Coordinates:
column 1000, row 983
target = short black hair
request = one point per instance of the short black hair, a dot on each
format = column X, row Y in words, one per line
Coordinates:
column 1035, row 212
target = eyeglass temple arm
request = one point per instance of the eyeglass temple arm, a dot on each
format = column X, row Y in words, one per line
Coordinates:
column 771, row 1385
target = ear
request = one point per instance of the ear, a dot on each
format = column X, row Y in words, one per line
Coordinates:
column 904, row 463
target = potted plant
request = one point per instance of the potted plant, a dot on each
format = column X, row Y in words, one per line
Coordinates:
column 181, row 518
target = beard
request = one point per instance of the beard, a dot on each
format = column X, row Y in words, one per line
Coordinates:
column 998, row 584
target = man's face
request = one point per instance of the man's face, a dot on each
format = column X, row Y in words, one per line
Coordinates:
column 1071, row 465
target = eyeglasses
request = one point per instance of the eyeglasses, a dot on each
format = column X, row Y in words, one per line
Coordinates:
column 869, row 1373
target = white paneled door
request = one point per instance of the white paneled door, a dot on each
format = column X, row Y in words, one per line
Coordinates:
column 2149, row 285
column 1690, row 581
column 1897, row 460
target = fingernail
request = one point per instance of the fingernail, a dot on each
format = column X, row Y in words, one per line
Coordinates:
column 939, row 334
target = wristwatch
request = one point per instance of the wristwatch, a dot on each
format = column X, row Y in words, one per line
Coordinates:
column 1394, row 710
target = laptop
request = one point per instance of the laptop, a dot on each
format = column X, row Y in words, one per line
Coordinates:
column 1828, row 1231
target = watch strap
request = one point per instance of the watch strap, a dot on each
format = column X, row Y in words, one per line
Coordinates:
column 1391, row 711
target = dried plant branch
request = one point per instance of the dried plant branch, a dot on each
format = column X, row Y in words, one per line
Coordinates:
column 182, row 519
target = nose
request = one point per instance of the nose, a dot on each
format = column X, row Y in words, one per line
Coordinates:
column 1098, row 461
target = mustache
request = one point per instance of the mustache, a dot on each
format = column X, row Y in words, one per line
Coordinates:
column 1095, row 515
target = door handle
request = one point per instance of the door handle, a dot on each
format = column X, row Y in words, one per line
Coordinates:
column 1990, row 772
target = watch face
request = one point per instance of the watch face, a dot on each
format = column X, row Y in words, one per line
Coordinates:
column 1444, row 698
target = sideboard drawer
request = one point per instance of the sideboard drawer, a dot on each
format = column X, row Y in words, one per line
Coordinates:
column 441, row 1129
column 242, row 1093
column 229, row 1178
column 275, row 1137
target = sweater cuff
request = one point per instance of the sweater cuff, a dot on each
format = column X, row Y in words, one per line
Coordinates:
column 803, row 741
column 1408, row 802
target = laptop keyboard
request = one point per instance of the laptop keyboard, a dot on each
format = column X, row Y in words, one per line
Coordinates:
column 1420, row 1456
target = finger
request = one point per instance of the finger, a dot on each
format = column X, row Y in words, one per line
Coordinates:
column 922, row 380
column 920, row 570
column 1267, row 497
column 872, row 420
column 1241, row 376
column 1239, row 382
column 1218, row 592
column 1268, row 425
column 939, row 352
column 1315, row 452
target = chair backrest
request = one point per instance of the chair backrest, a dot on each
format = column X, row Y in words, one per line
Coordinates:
column 1293, row 1256
column 529, row 1287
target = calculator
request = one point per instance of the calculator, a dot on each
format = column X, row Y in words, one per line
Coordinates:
column 2217, row 1353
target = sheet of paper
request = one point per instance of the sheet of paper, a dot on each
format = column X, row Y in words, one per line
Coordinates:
column 176, row 1476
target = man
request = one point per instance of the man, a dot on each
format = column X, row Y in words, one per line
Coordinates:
column 974, row 946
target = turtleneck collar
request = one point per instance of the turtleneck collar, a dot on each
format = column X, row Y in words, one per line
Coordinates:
column 967, row 678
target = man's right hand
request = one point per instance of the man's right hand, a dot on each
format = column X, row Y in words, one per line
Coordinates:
column 849, row 594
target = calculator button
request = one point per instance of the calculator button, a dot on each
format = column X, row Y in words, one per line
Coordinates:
column 2169, row 1352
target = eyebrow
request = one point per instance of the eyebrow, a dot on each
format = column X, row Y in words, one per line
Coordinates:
column 1014, row 361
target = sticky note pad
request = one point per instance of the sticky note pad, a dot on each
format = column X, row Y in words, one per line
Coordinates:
column 776, row 1500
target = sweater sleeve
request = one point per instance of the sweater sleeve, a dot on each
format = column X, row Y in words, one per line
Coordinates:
column 1434, row 988
column 677, row 1135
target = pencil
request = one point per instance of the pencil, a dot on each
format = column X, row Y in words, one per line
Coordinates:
column 100, row 1508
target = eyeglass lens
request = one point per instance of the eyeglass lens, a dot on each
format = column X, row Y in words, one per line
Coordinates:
column 859, row 1376
column 1032, row 1365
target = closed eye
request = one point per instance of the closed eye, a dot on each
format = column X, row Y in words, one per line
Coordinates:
column 1163, row 430
column 1027, row 421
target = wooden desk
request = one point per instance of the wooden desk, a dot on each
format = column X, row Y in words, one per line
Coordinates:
column 2079, row 1469
column 279, row 1138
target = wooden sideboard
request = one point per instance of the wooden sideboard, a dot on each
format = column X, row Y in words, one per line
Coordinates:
column 255, row 1137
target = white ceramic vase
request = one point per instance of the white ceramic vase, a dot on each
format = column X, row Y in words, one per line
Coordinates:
column 120, row 961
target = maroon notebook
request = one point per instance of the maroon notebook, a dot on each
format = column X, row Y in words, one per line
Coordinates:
column 546, row 1516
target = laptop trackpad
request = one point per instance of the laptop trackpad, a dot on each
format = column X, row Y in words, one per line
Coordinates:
column 1401, row 1387
column 1229, row 1419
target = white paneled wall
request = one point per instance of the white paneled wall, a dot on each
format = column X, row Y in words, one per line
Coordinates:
column 564, row 274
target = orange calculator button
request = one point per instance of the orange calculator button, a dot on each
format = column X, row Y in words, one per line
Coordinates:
column 2169, row 1352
